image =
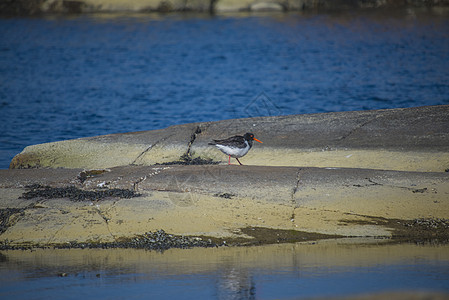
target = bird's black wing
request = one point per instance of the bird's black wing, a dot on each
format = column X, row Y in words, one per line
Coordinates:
column 237, row 141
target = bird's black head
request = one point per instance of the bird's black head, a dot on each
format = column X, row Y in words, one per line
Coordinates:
column 250, row 137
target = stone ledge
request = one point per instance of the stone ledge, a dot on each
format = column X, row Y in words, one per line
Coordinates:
column 39, row 7
column 408, row 139
column 220, row 202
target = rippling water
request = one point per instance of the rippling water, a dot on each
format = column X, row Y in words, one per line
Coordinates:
column 70, row 77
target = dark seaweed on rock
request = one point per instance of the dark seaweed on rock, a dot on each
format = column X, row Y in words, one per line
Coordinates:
column 429, row 223
column 224, row 195
column 158, row 240
column 74, row 193
column 186, row 159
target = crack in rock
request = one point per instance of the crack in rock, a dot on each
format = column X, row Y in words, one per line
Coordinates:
column 136, row 184
column 198, row 130
column 412, row 189
column 105, row 218
column 186, row 158
column 62, row 227
column 371, row 183
column 296, row 187
column 149, row 148
column 142, row 179
column 294, row 190
column 192, row 140
column 358, row 127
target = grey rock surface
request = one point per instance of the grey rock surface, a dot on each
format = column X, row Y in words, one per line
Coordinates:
column 345, row 174
column 414, row 139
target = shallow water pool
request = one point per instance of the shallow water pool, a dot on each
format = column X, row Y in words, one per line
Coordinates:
column 328, row 268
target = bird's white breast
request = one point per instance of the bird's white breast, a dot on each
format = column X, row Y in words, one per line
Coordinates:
column 234, row 151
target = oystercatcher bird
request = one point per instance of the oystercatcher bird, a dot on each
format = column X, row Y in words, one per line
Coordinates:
column 235, row 146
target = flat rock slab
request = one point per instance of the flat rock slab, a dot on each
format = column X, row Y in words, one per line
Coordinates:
column 338, row 174
column 216, row 201
column 409, row 139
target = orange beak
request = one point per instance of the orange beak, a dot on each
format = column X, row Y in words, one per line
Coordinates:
column 257, row 140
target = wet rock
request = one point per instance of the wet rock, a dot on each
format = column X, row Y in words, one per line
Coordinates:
column 36, row 7
column 65, row 6
column 21, row 7
column 266, row 6
column 165, row 6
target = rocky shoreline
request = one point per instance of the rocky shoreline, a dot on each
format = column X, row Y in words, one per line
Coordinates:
column 381, row 174
column 30, row 8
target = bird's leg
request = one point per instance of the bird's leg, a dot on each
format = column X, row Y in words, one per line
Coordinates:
column 229, row 161
column 239, row 161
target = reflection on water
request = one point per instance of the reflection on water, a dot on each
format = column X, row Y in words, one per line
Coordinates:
column 322, row 269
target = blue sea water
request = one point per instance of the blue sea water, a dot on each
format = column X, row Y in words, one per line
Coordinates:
column 78, row 76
